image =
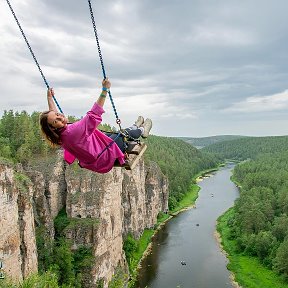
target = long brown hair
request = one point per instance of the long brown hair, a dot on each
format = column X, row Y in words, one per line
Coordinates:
column 51, row 134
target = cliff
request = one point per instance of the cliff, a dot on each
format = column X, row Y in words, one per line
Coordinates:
column 105, row 208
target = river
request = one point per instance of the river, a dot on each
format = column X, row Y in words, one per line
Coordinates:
column 189, row 238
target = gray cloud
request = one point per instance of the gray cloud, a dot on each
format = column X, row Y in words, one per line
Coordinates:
column 196, row 68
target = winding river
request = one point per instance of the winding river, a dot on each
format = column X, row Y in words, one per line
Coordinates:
column 185, row 253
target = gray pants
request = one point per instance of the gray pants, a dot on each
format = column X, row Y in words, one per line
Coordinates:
column 134, row 132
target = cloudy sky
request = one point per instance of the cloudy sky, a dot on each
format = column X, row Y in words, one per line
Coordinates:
column 197, row 68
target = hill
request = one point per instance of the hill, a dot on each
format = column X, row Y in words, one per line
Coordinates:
column 206, row 141
column 178, row 160
column 249, row 147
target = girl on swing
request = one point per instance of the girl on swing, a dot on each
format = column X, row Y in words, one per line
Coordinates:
column 94, row 149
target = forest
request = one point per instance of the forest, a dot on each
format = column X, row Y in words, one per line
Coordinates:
column 248, row 147
column 259, row 222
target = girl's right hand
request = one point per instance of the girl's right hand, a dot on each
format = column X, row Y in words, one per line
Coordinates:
column 106, row 83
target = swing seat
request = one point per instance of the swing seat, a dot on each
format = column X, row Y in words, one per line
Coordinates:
column 134, row 154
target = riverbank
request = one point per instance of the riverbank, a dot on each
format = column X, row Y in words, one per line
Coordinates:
column 145, row 242
column 248, row 271
column 218, row 238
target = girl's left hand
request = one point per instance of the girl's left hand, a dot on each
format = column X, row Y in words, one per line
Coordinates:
column 50, row 93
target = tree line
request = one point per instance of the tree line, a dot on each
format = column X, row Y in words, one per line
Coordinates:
column 259, row 222
column 205, row 141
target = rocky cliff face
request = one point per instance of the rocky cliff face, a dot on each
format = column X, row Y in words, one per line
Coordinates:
column 106, row 207
column 17, row 232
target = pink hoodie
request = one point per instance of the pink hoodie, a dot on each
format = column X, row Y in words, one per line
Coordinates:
column 82, row 140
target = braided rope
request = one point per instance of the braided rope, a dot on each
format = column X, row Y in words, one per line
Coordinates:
column 118, row 121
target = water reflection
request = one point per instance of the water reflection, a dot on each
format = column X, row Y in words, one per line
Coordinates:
column 150, row 263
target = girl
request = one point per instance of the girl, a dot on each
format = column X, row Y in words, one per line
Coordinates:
column 94, row 149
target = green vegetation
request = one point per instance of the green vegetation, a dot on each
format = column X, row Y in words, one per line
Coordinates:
column 188, row 200
column 22, row 182
column 134, row 249
column 57, row 256
column 261, row 212
column 20, row 136
column 162, row 217
column 180, row 162
column 47, row 279
column 255, row 232
column 248, row 148
column 249, row 271
column 119, row 279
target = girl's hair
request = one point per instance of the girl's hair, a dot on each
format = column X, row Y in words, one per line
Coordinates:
column 51, row 134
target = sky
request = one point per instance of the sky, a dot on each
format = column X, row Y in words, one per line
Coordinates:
column 196, row 68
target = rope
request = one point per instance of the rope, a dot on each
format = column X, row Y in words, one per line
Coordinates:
column 118, row 121
column 32, row 53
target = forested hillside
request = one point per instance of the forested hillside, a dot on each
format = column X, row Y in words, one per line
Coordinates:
column 21, row 141
column 205, row 141
column 20, row 137
column 260, row 221
column 179, row 161
column 250, row 147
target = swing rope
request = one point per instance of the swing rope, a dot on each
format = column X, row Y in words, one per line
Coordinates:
column 32, row 53
column 118, row 121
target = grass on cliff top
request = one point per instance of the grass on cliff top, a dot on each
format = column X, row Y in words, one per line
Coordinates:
column 248, row 271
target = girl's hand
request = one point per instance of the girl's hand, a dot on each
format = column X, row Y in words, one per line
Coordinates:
column 50, row 93
column 106, row 83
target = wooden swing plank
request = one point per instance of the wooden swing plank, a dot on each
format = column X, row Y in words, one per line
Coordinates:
column 133, row 156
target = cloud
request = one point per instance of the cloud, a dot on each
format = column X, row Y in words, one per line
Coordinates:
column 256, row 104
column 221, row 36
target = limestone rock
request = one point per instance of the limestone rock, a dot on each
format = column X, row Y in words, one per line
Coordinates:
column 106, row 206
column 17, row 232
